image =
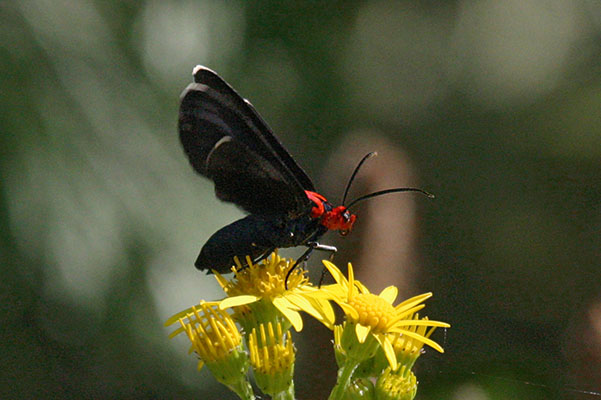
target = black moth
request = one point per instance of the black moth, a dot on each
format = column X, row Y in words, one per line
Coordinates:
column 227, row 141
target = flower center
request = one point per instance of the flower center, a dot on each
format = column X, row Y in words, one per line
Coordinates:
column 373, row 311
column 267, row 279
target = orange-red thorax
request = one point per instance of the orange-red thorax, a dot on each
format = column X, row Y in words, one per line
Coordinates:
column 333, row 218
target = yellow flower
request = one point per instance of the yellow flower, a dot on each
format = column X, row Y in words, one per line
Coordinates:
column 408, row 348
column 218, row 344
column 261, row 287
column 375, row 316
column 396, row 385
column 211, row 331
column 272, row 358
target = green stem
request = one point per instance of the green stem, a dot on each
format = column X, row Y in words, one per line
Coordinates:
column 243, row 389
column 344, row 378
column 285, row 395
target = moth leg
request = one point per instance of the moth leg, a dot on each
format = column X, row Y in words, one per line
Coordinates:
column 302, row 258
column 310, row 247
column 323, row 247
column 332, row 250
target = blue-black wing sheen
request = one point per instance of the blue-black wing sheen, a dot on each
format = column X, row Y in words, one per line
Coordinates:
column 263, row 141
column 248, row 180
column 228, row 142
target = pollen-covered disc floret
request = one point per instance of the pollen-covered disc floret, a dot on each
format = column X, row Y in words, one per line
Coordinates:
column 265, row 279
column 373, row 311
column 258, row 294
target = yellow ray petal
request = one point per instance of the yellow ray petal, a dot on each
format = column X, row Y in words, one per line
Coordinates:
column 349, row 310
column 176, row 332
column 184, row 313
column 284, row 302
column 176, row 317
column 300, row 301
column 388, row 350
column 319, row 309
column 422, row 339
column 389, row 294
column 401, row 314
column 362, row 288
column 327, row 311
column 332, row 291
column 362, row 332
column 291, row 315
column 221, row 280
column 336, row 273
column 422, row 322
column 413, row 301
column 237, row 301
column 351, row 278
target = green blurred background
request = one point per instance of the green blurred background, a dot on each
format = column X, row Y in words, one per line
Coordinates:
column 494, row 106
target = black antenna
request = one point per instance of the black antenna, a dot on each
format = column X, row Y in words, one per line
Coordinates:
column 382, row 192
column 357, row 168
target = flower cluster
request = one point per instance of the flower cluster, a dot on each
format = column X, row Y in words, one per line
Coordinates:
column 377, row 341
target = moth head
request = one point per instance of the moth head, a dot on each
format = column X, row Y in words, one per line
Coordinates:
column 339, row 219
